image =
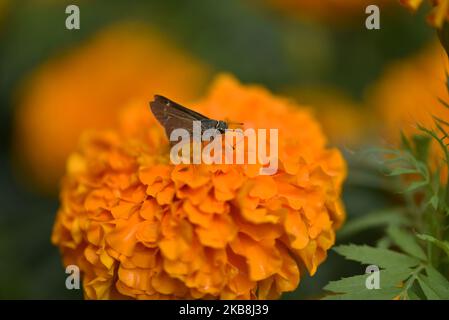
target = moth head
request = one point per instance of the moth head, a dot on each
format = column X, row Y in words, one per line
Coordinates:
column 221, row 126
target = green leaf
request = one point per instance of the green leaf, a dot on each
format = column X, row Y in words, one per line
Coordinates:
column 350, row 284
column 412, row 295
column 407, row 242
column 384, row 242
column 440, row 141
column 428, row 291
column 374, row 294
column 434, row 201
column 416, row 185
column 422, row 144
column 437, row 282
column 383, row 258
column 405, row 142
column 372, row 220
column 443, row 245
column 388, row 278
column 445, row 104
column 401, row 171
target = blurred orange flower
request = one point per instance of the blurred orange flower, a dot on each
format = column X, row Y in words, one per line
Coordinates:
column 409, row 92
column 438, row 15
column 141, row 227
column 85, row 88
column 343, row 120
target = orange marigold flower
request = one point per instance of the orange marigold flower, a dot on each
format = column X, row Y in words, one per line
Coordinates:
column 438, row 15
column 141, row 227
column 409, row 93
column 84, row 89
column 343, row 120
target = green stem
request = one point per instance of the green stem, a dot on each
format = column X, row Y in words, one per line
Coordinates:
column 410, row 282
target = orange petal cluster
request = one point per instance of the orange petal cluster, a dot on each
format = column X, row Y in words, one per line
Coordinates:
column 140, row 227
column 439, row 13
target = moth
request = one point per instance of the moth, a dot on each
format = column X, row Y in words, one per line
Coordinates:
column 172, row 115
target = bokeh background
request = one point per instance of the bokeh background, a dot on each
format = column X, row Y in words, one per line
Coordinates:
column 55, row 83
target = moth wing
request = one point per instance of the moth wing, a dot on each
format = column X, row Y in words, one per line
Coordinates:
column 172, row 118
column 171, row 104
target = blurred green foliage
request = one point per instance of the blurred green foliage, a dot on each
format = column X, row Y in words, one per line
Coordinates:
column 246, row 38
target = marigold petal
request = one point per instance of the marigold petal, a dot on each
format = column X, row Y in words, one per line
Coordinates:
column 166, row 285
column 190, row 175
column 262, row 260
column 296, row 229
column 149, row 175
column 264, row 188
column 259, row 215
column 197, row 216
column 166, row 195
column 148, row 233
column 150, row 210
column 123, row 238
column 122, row 210
column 219, row 233
column 139, row 279
column 287, row 278
column 144, row 258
